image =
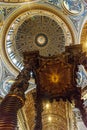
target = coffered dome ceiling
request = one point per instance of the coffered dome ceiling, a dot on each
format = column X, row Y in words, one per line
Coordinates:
column 36, row 28
column 40, row 33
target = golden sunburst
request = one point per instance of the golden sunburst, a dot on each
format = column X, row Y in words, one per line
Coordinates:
column 54, row 78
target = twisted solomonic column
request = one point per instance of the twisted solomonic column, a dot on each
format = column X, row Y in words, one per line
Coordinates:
column 15, row 99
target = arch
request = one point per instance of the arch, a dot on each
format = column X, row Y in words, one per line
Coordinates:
column 65, row 23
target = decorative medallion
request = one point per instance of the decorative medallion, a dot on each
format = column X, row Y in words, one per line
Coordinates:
column 73, row 7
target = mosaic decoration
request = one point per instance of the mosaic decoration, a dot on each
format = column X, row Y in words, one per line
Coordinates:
column 5, row 11
column 8, row 10
column 1, row 15
column 76, row 21
column 73, row 6
column 54, row 2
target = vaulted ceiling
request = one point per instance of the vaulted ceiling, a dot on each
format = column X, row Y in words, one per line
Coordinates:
column 47, row 26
